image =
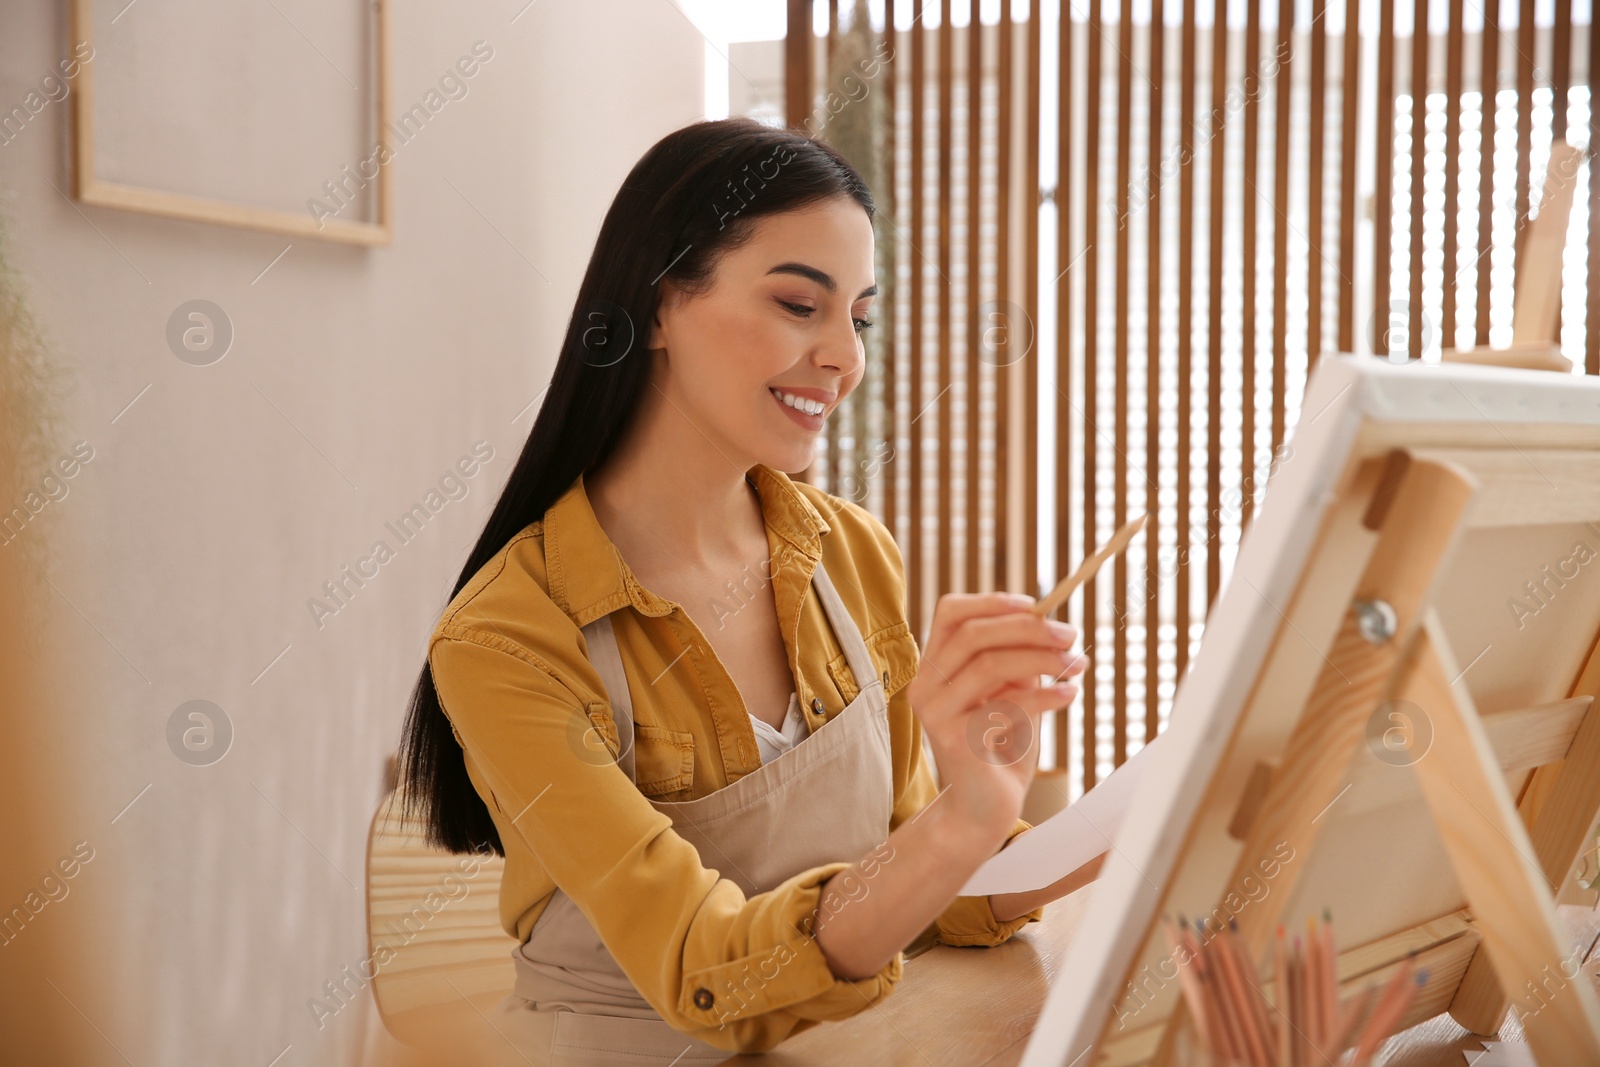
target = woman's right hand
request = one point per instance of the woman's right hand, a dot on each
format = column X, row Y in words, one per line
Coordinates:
column 979, row 695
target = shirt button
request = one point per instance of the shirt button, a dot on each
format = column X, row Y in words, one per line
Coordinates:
column 886, row 679
column 703, row 999
column 816, row 705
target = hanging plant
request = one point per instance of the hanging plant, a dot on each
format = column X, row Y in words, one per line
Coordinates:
column 29, row 423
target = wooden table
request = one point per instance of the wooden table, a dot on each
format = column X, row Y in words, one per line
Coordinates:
column 965, row 1007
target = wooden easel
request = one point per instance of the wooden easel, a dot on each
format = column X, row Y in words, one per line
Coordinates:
column 1407, row 499
column 1417, row 508
column 1536, row 312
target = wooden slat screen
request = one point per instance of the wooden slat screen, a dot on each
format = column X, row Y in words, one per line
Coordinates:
column 1122, row 241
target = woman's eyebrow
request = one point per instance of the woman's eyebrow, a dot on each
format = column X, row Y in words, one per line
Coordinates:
column 822, row 278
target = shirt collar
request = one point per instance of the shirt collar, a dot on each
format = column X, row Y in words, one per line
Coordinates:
column 589, row 578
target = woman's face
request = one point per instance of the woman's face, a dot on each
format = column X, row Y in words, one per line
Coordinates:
column 779, row 326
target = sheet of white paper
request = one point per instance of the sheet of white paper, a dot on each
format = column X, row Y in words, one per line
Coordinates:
column 1067, row 840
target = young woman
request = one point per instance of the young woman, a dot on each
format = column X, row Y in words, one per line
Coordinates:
column 677, row 690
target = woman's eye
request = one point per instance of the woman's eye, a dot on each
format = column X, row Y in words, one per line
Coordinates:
column 805, row 311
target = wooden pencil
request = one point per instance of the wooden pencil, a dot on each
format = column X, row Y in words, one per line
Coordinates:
column 1392, row 1003
column 1297, row 979
column 1228, row 1041
column 1280, row 994
column 1227, row 1000
column 1352, row 1015
column 1194, row 992
column 1314, row 993
column 1086, row 570
column 1254, row 1001
column 1328, row 1002
column 1306, row 1023
column 1255, row 1041
column 1222, row 1025
column 1330, row 963
column 1189, row 978
column 1327, row 988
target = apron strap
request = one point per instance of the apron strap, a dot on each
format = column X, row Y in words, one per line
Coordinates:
column 846, row 631
column 607, row 660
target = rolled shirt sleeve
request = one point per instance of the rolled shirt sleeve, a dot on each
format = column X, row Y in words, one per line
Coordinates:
column 971, row 921
column 738, row 973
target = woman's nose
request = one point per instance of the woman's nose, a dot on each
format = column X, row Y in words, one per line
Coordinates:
column 840, row 350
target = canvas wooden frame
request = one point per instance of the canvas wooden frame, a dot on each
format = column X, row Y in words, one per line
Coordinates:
column 1410, row 486
column 91, row 189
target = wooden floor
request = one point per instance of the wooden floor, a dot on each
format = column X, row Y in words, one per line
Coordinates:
column 964, row 1007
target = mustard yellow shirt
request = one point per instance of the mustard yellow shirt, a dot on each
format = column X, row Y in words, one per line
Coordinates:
column 529, row 710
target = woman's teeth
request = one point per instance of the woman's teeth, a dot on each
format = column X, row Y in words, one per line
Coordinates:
column 800, row 403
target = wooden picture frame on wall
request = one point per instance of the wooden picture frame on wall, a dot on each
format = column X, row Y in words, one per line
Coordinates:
column 91, row 189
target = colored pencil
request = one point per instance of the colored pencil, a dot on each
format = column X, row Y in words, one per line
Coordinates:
column 1253, row 1047
column 1314, row 992
column 1225, row 1026
column 1396, row 998
column 1330, row 961
column 1307, row 1023
column 1213, row 1023
column 1229, row 998
column 1297, row 978
column 1228, row 1044
column 1280, row 991
column 1190, row 979
column 1352, row 1015
column 1254, row 1001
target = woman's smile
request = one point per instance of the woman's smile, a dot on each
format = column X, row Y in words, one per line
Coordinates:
column 808, row 407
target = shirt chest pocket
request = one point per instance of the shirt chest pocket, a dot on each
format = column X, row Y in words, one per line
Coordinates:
column 894, row 654
column 663, row 762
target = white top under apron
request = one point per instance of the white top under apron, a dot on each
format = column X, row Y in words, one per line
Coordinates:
column 774, row 743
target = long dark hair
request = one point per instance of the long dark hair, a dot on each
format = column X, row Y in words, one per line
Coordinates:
column 694, row 196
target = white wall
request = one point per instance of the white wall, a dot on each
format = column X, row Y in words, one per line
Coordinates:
column 215, row 506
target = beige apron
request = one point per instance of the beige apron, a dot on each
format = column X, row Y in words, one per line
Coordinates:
column 828, row 799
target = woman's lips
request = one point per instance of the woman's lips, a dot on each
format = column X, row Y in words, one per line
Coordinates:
column 810, row 422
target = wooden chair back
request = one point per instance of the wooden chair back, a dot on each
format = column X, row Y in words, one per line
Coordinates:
column 438, row 954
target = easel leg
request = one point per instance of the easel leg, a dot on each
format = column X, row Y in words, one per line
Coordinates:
column 1417, row 509
column 1422, row 504
column 1494, row 860
column 1559, row 809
